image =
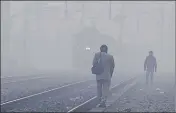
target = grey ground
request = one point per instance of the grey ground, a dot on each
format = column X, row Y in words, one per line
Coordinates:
column 59, row 100
column 143, row 98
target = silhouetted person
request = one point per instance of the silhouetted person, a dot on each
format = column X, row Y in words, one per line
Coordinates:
column 104, row 79
column 150, row 65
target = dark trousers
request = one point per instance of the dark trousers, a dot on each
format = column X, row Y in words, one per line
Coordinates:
column 103, row 89
column 149, row 74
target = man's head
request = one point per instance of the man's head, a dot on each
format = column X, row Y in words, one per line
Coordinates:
column 150, row 53
column 104, row 48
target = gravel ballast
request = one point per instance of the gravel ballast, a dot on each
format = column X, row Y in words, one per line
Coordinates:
column 146, row 98
column 56, row 101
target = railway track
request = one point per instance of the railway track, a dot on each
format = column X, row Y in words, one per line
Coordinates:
column 30, row 96
column 15, row 79
column 73, row 90
column 20, row 78
column 6, row 106
column 17, row 87
column 23, row 80
column 92, row 103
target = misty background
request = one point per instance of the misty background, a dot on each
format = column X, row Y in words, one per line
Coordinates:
column 45, row 36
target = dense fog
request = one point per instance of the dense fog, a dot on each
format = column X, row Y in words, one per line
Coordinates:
column 42, row 36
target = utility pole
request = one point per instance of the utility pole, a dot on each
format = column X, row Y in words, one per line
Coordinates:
column 138, row 21
column 162, row 27
column 6, row 22
column 5, row 25
column 121, row 26
column 82, row 16
column 120, row 19
column 26, row 36
column 110, row 10
column 161, row 12
column 38, row 11
column 138, row 24
column 66, row 9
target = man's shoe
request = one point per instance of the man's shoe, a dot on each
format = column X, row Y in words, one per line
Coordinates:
column 102, row 105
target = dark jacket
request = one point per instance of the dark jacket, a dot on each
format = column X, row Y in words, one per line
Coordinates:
column 150, row 63
column 108, row 64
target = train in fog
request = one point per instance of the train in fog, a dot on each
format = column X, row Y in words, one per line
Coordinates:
column 86, row 43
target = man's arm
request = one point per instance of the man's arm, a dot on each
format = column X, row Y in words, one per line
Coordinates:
column 145, row 64
column 155, row 65
column 113, row 65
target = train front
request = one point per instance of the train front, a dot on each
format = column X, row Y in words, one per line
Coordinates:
column 86, row 43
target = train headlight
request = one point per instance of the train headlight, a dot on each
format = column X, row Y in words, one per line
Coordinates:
column 87, row 48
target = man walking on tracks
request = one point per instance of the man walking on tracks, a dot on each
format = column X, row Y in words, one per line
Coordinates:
column 103, row 67
column 150, row 65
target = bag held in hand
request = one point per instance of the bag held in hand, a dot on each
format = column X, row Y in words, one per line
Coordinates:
column 98, row 67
